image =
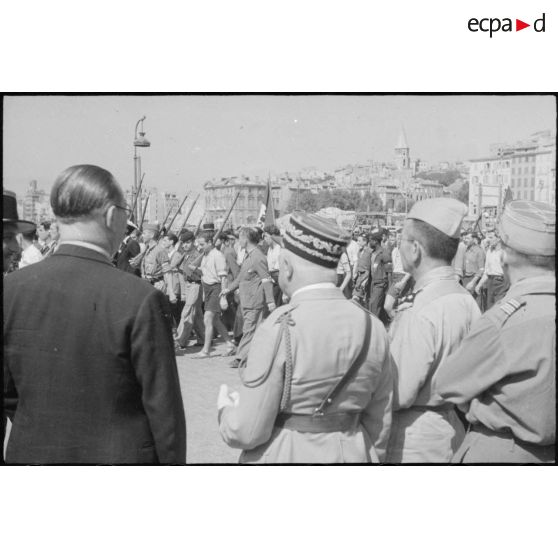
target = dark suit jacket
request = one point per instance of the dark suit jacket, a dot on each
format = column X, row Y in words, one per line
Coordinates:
column 89, row 364
column 130, row 250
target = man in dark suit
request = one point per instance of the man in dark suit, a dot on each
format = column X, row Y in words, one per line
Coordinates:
column 89, row 356
column 129, row 248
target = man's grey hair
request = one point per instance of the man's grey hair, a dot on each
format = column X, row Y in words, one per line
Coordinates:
column 82, row 191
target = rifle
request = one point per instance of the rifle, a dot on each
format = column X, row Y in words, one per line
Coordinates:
column 138, row 193
column 165, row 220
column 176, row 214
column 188, row 215
column 216, row 235
column 197, row 231
column 144, row 210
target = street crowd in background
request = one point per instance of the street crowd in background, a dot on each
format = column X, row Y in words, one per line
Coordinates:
column 423, row 344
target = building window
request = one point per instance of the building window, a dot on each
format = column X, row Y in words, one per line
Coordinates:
column 533, row 170
column 519, row 170
column 532, row 195
column 525, row 181
column 513, row 170
column 532, row 182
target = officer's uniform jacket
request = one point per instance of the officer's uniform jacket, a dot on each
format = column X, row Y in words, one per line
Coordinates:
column 427, row 329
column 254, row 282
column 504, row 372
column 321, row 354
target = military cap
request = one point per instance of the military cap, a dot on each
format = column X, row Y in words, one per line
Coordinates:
column 10, row 216
column 444, row 214
column 151, row 227
column 316, row 239
column 529, row 227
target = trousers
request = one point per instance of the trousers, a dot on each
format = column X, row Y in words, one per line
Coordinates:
column 251, row 319
column 420, row 435
column 192, row 315
column 482, row 445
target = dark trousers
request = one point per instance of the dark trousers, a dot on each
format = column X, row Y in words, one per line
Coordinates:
column 277, row 293
column 496, row 289
column 376, row 301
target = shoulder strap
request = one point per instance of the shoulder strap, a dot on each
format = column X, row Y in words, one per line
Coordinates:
column 355, row 366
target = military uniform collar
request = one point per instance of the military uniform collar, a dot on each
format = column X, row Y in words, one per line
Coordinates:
column 316, row 290
column 538, row 284
column 442, row 273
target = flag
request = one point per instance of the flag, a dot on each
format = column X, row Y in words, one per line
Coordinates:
column 267, row 210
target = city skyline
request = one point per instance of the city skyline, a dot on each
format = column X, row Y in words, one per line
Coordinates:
column 198, row 138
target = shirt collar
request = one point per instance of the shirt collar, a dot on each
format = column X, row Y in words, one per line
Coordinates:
column 441, row 273
column 313, row 287
column 88, row 245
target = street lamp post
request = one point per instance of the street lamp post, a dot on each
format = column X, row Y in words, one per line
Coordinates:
column 140, row 141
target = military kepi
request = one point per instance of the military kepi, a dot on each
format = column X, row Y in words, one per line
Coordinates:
column 316, row 239
column 529, row 227
column 444, row 214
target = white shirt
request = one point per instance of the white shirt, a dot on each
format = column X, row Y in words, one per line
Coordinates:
column 315, row 286
column 492, row 265
column 29, row 256
column 396, row 261
column 352, row 252
column 273, row 257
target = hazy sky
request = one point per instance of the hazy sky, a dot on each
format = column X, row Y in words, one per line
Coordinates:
column 194, row 139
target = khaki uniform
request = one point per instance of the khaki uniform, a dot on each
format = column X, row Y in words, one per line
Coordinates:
column 152, row 265
column 504, row 375
column 424, row 333
column 321, row 355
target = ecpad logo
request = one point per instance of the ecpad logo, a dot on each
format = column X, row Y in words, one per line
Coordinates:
column 493, row 25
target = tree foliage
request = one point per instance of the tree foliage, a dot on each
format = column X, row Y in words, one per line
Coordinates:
column 443, row 177
column 347, row 200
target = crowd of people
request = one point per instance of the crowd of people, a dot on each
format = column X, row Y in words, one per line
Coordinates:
column 425, row 344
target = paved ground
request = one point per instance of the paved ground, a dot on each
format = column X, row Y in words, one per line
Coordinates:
column 200, row 381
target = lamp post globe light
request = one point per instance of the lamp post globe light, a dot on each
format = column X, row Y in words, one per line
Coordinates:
column 139, row 141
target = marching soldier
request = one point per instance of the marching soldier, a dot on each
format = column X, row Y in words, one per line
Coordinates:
column 255, row 289
column 154, row 257
column 428, row 327
column 322, row 394
column 504, row 372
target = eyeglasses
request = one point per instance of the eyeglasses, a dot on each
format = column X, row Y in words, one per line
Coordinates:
column 127, row 209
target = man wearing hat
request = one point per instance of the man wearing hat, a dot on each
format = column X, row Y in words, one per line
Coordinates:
column 504, row 373
column 318, row 383
column 12, row 225
column 129, row 249
column 428, row 326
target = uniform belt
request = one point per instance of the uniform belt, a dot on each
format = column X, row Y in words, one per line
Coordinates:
column 340, row 422
column 495, row 276
column 192, row 281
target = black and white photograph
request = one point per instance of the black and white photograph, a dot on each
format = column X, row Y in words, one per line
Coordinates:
column 277, row 279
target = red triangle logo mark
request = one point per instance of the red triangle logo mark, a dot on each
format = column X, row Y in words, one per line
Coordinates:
column 519, row 25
